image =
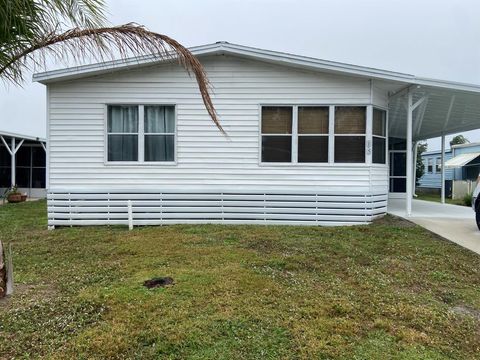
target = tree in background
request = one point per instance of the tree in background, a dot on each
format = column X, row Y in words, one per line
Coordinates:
column 459, row 139
column 420, row 171
column 32, row 31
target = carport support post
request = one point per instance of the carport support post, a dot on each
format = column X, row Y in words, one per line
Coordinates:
column 415, row 152
column 409, row 153
column 443, row 169
column 13, row 165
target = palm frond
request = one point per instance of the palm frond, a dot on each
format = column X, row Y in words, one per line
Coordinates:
column 100, row 44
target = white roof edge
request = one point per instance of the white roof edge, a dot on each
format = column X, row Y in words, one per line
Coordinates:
column 224, row 48
column 435, row 152
column 251, row 52
column 466, row 145
column 21, row 136
column 461, row 160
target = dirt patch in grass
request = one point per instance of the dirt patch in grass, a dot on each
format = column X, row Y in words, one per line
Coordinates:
column 392, row 220
column 467, row 311
column 158, row 282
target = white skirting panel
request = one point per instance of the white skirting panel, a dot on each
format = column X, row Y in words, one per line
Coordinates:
column 194, row 207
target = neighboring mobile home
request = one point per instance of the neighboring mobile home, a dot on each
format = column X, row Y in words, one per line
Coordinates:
column 431, row 181
column 465, row 162
column 309, row 141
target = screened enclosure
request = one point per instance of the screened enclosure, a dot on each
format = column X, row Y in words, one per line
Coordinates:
column 29, row 160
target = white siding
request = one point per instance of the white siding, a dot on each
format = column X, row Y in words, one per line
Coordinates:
column 206, row 159
column 379, row 97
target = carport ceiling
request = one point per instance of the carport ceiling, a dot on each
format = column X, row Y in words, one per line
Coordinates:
column 439, row 111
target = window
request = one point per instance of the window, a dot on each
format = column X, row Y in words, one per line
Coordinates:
column 313, row 134
column 122, row 130
column 277, row 133
column 310, row 140
column 438, row 165
column 30, row 161
column 5, row 167
column 306, row 134
column 379, row 133
column 350, row 127
column 430, row 166
column 151, row 140
column 159, row 133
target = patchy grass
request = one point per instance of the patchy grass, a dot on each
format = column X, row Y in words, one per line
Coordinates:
column 390, row 290
column 437, row 198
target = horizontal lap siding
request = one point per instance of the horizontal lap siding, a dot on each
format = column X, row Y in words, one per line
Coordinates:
column 206, row 158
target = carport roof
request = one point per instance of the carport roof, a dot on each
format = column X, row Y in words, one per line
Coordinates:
column 439, row 111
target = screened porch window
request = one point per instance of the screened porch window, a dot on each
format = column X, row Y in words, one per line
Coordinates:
column 151, row 139
column 350, row 128
column 313, row 134
column 277, row 133
column 379, row 134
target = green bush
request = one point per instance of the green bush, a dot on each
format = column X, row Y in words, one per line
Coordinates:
column 467, row 199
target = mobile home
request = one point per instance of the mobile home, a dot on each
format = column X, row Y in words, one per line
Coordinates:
column 307, row 141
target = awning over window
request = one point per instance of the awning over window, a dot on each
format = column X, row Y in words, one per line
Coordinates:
column 461, row 160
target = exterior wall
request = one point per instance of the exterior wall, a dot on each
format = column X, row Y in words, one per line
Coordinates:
column 379, row 96
column 206, row 160
column 434, row 180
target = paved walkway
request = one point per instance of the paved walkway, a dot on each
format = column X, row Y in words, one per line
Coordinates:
column 453, row 222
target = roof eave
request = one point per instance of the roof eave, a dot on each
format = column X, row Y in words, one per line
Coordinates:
column 22, row 136
column 286, row 59
column 276, row 57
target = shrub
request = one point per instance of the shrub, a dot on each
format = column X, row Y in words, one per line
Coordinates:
column 467, row 199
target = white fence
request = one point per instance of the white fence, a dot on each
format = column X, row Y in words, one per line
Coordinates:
column 161, row 208
column 460, row 188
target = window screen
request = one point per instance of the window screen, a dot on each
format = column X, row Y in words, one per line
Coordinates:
column 350, row 119
column 159, row 125
column 277, row 133
column 313, row 134
column 379, row 133
column 350, row 149
column 122, row 128
column 350, row 127
column 277, row 120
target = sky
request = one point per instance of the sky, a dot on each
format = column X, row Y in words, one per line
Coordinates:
column 428, row 38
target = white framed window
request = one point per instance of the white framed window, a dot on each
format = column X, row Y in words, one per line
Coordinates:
column 379, row 136
column 438, row 165
column 122, row 133
column 159, row 130
column 350, row 134
column 313, row 134
column 140, row 134
column 276, row 129
column 321, row 134
column 430, row 166
column 294, row 134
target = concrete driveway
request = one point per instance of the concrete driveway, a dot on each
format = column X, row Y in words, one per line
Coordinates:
column 453, row 222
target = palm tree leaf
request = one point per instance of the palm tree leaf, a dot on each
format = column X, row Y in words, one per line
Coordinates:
column 102, row 43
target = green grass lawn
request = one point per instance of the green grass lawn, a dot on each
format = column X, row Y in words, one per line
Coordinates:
column 390, row 290
column 437, row 198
